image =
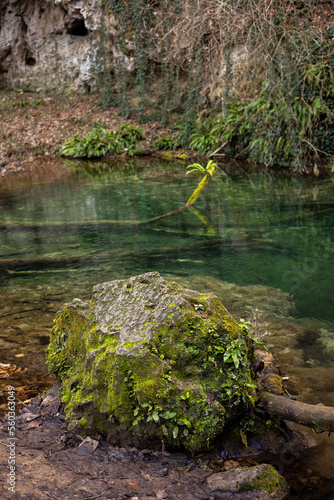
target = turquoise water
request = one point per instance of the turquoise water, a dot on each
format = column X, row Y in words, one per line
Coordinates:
column 257, row 230
column 75, row 225
column 72, row 226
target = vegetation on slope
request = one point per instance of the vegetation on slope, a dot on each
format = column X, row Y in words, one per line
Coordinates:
column 262, row 70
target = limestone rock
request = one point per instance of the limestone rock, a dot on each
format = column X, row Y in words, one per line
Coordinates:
column 53, row 45
column 262, row 479
column 69, row 46
column 147, row 360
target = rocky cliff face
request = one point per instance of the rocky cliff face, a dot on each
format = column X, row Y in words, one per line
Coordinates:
column 52, row 45
column 78, row 45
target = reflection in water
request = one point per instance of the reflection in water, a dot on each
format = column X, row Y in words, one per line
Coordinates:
column 61, row 236
column 256, row 241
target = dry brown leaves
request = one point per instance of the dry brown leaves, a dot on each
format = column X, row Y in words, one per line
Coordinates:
column 26, row 386
column 32, row 125
column 323, row 14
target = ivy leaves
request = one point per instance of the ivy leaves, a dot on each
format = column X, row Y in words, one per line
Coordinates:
column 168, row 420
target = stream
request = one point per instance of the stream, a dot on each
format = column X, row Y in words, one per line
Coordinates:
column 263, row 243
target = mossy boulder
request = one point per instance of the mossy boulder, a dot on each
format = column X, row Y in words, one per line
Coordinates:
column 147, row 360
column 261, row 482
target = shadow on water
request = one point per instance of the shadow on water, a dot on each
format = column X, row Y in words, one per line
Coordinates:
column 263, row 244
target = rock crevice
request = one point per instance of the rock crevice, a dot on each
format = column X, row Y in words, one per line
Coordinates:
column 53, row 45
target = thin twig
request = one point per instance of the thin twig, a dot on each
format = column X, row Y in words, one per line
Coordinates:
column 316, row 149
column 220, row 147
column 98, row 496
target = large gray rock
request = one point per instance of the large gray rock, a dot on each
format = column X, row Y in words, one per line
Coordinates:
column 53, row 45
column 147, row 360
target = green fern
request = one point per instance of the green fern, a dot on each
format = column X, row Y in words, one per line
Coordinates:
column 167, row 142
column 100, row 142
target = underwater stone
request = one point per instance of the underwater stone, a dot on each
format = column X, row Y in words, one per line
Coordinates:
column 148, row 360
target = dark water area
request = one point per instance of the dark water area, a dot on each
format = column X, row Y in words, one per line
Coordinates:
column 259, row 241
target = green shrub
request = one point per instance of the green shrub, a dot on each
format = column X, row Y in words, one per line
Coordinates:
column 203, row 143
column 167, row 142
column 291, row 121
column 100, row 142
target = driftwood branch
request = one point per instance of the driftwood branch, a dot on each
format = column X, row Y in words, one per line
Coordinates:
column 188, row 205
column 275, row 402
column 318, row 417
column 210, row 170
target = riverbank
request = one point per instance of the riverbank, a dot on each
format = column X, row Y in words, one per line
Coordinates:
column 35, row 126
column 32, row 125
column 51, row 462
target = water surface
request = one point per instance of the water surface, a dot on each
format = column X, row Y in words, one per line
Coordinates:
column 263, row 243
column 78, row 224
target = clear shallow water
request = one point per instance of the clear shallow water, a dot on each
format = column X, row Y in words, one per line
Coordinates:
column 256, row 230
column 76, row 225
column 64, row 229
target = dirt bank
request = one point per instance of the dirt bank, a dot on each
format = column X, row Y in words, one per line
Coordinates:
column 32, row 125
column 50, row 465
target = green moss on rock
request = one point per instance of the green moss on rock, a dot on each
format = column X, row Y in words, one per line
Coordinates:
column 267, row 479
column 147, row 360
column 261, row 480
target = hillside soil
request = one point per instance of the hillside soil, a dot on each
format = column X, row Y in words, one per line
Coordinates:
column 32, row 125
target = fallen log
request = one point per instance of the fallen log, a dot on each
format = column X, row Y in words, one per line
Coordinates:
column 318, row 417
column 93, row 259
column 277, row 403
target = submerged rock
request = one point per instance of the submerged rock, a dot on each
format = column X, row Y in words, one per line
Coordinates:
column 147, row 360
column 243, row 301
